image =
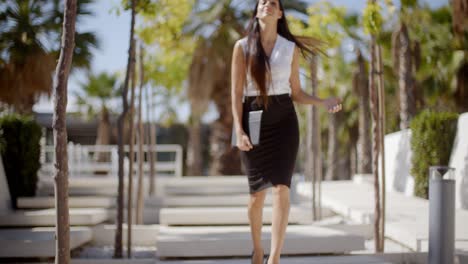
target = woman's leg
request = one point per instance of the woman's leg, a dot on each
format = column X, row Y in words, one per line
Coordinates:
column 279, row 221
column 255, row 212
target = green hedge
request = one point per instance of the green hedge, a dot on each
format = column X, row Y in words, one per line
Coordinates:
column 20, row 138
column 432, row 139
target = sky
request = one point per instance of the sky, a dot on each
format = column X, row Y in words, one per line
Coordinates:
column 113, row 33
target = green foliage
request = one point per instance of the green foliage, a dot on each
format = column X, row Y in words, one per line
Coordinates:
column 30, row 37
column 20, row 154
column 326, row 23
column 372, row 18
column 432, row 139
column 36, row 25
column 170, row 49
column 101, row 86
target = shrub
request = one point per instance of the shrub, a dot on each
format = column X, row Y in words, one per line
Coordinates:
column 20, row 152
column 432, row 139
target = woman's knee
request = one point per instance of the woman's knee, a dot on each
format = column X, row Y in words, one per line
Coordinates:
column 280, row 189
column 257, row 198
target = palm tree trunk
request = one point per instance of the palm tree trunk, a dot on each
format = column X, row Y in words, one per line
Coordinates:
column 460, row 28
column 194, row 150
column 361, row 83
column 405, row 78
column 62, row 246
column 120, row 139
column 103, row 136
column 141, row 156
column 131, row 155
column 461, row 92
column 225, row 159
column 460, row 16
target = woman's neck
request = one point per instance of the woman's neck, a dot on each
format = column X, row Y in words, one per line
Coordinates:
column 268, row 31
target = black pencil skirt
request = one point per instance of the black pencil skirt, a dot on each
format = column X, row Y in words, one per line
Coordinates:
column 272, row 161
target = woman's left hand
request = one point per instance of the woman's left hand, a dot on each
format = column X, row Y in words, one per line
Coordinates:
column 333, row 104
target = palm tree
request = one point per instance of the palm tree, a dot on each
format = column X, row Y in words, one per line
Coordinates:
column 60, row 134
column 403, row 66
column 26, row 65
column 120, row 138
column 101, row 87
column 372, row 26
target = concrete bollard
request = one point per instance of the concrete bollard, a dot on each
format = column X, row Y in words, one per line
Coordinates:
column 441, row 215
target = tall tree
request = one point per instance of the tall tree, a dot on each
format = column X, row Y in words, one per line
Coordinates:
column 120, row 139
column 167, row 66
column 141, row 139
column 62, row 250
column 314, row 153
column 131, row 158
column 372, row 25
column 331, row 24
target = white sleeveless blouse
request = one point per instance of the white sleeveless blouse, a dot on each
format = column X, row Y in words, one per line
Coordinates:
column 280, row 64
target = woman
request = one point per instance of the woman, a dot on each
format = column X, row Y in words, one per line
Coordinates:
column 265, row 75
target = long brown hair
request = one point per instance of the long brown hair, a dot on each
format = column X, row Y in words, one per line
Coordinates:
column 258, row 61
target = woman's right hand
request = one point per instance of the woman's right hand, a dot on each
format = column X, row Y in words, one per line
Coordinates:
column 243, row 141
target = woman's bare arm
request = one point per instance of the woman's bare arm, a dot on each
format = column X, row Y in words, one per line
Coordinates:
column 298, row 95
column 237, row 85
column 238, row 76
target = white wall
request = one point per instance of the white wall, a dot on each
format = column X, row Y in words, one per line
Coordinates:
column 459, row 161
column 398, row 162
column 5, row 203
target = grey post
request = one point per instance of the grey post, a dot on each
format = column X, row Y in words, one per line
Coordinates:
column 441, row 215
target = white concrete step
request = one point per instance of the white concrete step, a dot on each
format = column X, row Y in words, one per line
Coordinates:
column 202, row 200
column 107, row 185
column 292, row 260
column 40, row 202
column 211, row 185
column 38, row 242
column 46, row 217
column 228, row 215
column 142, row 235
column 407, row 217
column 224, row 241
column 284, row 260
column 208, row 190
column 91, row 185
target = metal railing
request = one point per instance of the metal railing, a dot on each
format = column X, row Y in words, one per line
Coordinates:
column 84, row 160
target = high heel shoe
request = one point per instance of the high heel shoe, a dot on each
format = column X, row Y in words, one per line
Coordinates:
column 252, row 256
column 266, row 260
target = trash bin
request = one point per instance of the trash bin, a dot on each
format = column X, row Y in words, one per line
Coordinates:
column 441, row 215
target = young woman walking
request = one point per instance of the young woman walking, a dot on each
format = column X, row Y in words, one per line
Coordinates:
column 265, row 76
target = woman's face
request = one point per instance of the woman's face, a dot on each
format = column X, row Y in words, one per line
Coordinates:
column 269, row 9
